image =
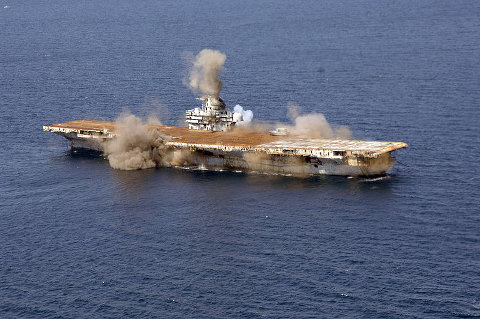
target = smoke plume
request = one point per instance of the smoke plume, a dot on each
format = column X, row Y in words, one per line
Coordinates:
column 314, row 125
column 241, row 116
column 204, row 75
column 135, row 146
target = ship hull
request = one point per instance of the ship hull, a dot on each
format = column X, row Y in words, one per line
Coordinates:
column 246, row 150
column 254, row 161
column 286, row 165
column 83, row 143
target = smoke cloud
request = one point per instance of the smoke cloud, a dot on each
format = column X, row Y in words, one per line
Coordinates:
column 314, row 125
column 204, row 75
column 243, row 117
column 135, row 146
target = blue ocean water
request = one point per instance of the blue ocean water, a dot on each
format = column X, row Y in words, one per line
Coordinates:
column 79, row 239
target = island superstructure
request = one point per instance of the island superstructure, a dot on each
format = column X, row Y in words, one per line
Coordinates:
column 213, row 116
column 209, row 141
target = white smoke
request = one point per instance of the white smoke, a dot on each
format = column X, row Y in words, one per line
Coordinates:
column 241, row 116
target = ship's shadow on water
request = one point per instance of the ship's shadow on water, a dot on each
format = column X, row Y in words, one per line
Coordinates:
column 84, row 154
column 77, row 156
column 248, row 180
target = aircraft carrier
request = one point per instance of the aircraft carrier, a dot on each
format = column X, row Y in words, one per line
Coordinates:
column 212, row 141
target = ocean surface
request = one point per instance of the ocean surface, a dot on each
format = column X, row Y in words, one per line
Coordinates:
column 79, row 239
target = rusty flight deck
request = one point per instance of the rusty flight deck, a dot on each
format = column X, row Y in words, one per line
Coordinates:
column 238, row 139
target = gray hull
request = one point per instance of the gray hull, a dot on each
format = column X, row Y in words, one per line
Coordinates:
column 215, row 158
